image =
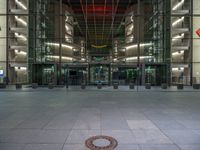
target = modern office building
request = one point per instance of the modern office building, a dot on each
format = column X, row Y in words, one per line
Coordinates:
column 90, row 41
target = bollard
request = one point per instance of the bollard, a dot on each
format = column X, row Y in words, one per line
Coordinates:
column 164, row 85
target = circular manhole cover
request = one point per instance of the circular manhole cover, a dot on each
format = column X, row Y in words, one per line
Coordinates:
column 101, row 143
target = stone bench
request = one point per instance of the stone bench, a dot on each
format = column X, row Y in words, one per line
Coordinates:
column 2, row 85
column 131, row 86
column 180, row 86
column 99, row 85
column 196, row 86
column 18, row 85
column 51, row 85
column 115, row 85
column 164, row 85
column 34, row 85
column 148, row 86
column 83, row 86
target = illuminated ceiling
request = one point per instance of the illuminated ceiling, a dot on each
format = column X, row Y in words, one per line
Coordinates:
column 101, row 20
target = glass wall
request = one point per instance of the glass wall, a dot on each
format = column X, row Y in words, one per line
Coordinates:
column 196, row 42
column 125, row 41
column 17, row 40
column 181, row 41
column 143, row 48
column 3, row 40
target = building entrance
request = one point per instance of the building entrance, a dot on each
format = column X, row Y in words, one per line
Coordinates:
column 99, row 74
column 44, row 74
column 74, row 75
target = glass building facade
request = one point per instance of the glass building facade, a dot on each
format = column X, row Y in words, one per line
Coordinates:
column 88, row 41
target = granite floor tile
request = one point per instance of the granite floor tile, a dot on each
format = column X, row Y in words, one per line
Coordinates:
column 151, row 137
column 43, row 147
column 141, row 124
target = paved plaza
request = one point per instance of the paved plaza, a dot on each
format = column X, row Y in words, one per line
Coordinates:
column 64, row 119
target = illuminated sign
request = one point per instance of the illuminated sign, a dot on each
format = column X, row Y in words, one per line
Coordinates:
column 1, row 73
column 198, row 32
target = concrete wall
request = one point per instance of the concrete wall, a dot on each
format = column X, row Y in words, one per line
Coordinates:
column 3, row 41
column 196, row 41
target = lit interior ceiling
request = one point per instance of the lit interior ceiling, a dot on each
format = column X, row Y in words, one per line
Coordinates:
column 100, row 20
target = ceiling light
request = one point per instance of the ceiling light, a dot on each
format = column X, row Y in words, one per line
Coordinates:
column 141, row 45
column 63, row 57
column 20, row 68
column 67, row 28
column 178, row 69
column 178, row 53
column 178, row 21
column 178, row 5
column 20, row 52
column 21, row 4
column 135, row 58
column 181, row 36
column 20, row 36
column 57, row 44
column 21, row 20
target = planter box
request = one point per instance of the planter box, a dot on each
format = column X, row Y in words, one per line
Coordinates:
column 18, row 86
column 2, row 85
column 51, row 86
column 180, row 86
column 196, row 86
column 164, row 86
column 148, row 86
column 131, row 86
column 99, row 86
column 34, row 85
column 115, row 85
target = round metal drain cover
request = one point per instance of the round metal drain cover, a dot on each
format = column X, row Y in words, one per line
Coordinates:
column 95, row 142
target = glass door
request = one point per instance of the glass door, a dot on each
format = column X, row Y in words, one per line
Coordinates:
column 44, row 74
column 99, row 74
column 48, row 75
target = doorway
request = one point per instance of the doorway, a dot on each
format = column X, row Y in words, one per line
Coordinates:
column 44, row 74
column 99, row 74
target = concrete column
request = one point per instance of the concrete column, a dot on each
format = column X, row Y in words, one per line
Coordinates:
column 196, row 41
column 3, row 39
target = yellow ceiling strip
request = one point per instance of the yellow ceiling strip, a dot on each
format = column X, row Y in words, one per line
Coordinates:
column 98, row 46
